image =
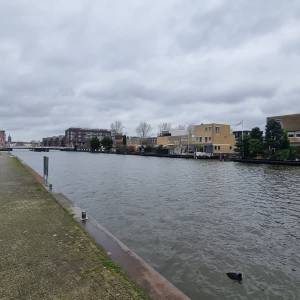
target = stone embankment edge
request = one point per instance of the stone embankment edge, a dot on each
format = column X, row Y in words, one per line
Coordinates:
column 269, row 162
column 154, row 284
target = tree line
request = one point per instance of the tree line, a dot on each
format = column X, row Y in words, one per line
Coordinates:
column 143, row 130
column 273, row 145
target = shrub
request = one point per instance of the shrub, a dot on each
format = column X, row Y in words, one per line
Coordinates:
column 283, row 154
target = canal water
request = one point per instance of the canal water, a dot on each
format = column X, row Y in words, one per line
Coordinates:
column 193, row 220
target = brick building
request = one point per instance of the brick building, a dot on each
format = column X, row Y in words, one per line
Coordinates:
column 80, row 137
column 214, row 138
column 2, row 138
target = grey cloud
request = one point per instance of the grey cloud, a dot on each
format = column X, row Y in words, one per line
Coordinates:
column 119, row 91
column 234, row 22
column 87, row 63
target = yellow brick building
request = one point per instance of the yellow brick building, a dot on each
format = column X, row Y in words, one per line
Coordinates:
column 213, row 138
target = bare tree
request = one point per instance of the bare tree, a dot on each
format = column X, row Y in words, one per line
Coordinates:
column 117, row 127
column 164, row 127
column 143, row 130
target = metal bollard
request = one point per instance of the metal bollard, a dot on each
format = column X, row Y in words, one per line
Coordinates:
column 50, row 187
column 83, row 216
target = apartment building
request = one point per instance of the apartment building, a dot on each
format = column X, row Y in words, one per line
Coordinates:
column 213, row 138
column 54, row 141
column 79, row 137
column 290, row 123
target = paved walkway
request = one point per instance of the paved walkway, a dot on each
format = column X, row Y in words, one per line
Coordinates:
column 44, row 254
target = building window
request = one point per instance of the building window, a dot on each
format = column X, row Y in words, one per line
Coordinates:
column 216, row 147
column 209, row 138
column 291, row 134
column 217, row 129
column 205, row 128
column 206, row 139
column 219, row 147
column 230, row 147
column 297, row 133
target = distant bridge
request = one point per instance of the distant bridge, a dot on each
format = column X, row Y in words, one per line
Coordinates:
column 40, row 149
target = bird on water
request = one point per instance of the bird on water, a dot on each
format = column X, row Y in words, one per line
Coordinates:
column 235, row 276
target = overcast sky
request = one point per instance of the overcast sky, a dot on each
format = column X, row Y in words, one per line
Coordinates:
column 87, row 63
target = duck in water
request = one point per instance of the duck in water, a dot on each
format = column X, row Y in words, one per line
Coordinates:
column 235, row 276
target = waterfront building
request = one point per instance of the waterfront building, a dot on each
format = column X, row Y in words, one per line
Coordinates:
column 20, row 144
column 291, row 124
column 213, row 138
column 117, row 139
column 137, row 142
column 176, row 141
column 35, row 144
column 2, row 138
column 238, row 134
column 134, row 142
column 149, row 141
column 54, row 141
column 80, row 137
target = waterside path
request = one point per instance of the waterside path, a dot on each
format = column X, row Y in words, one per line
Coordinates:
column 44, row 253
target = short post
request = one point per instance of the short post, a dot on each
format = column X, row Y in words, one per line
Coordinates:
column 46, row 167
column 83, row 216
column 50, row 187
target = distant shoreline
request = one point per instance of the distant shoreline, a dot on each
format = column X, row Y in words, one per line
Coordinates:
column 225, row 157
column 269, row 162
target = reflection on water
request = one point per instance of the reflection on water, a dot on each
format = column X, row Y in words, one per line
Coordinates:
column 193, row 220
